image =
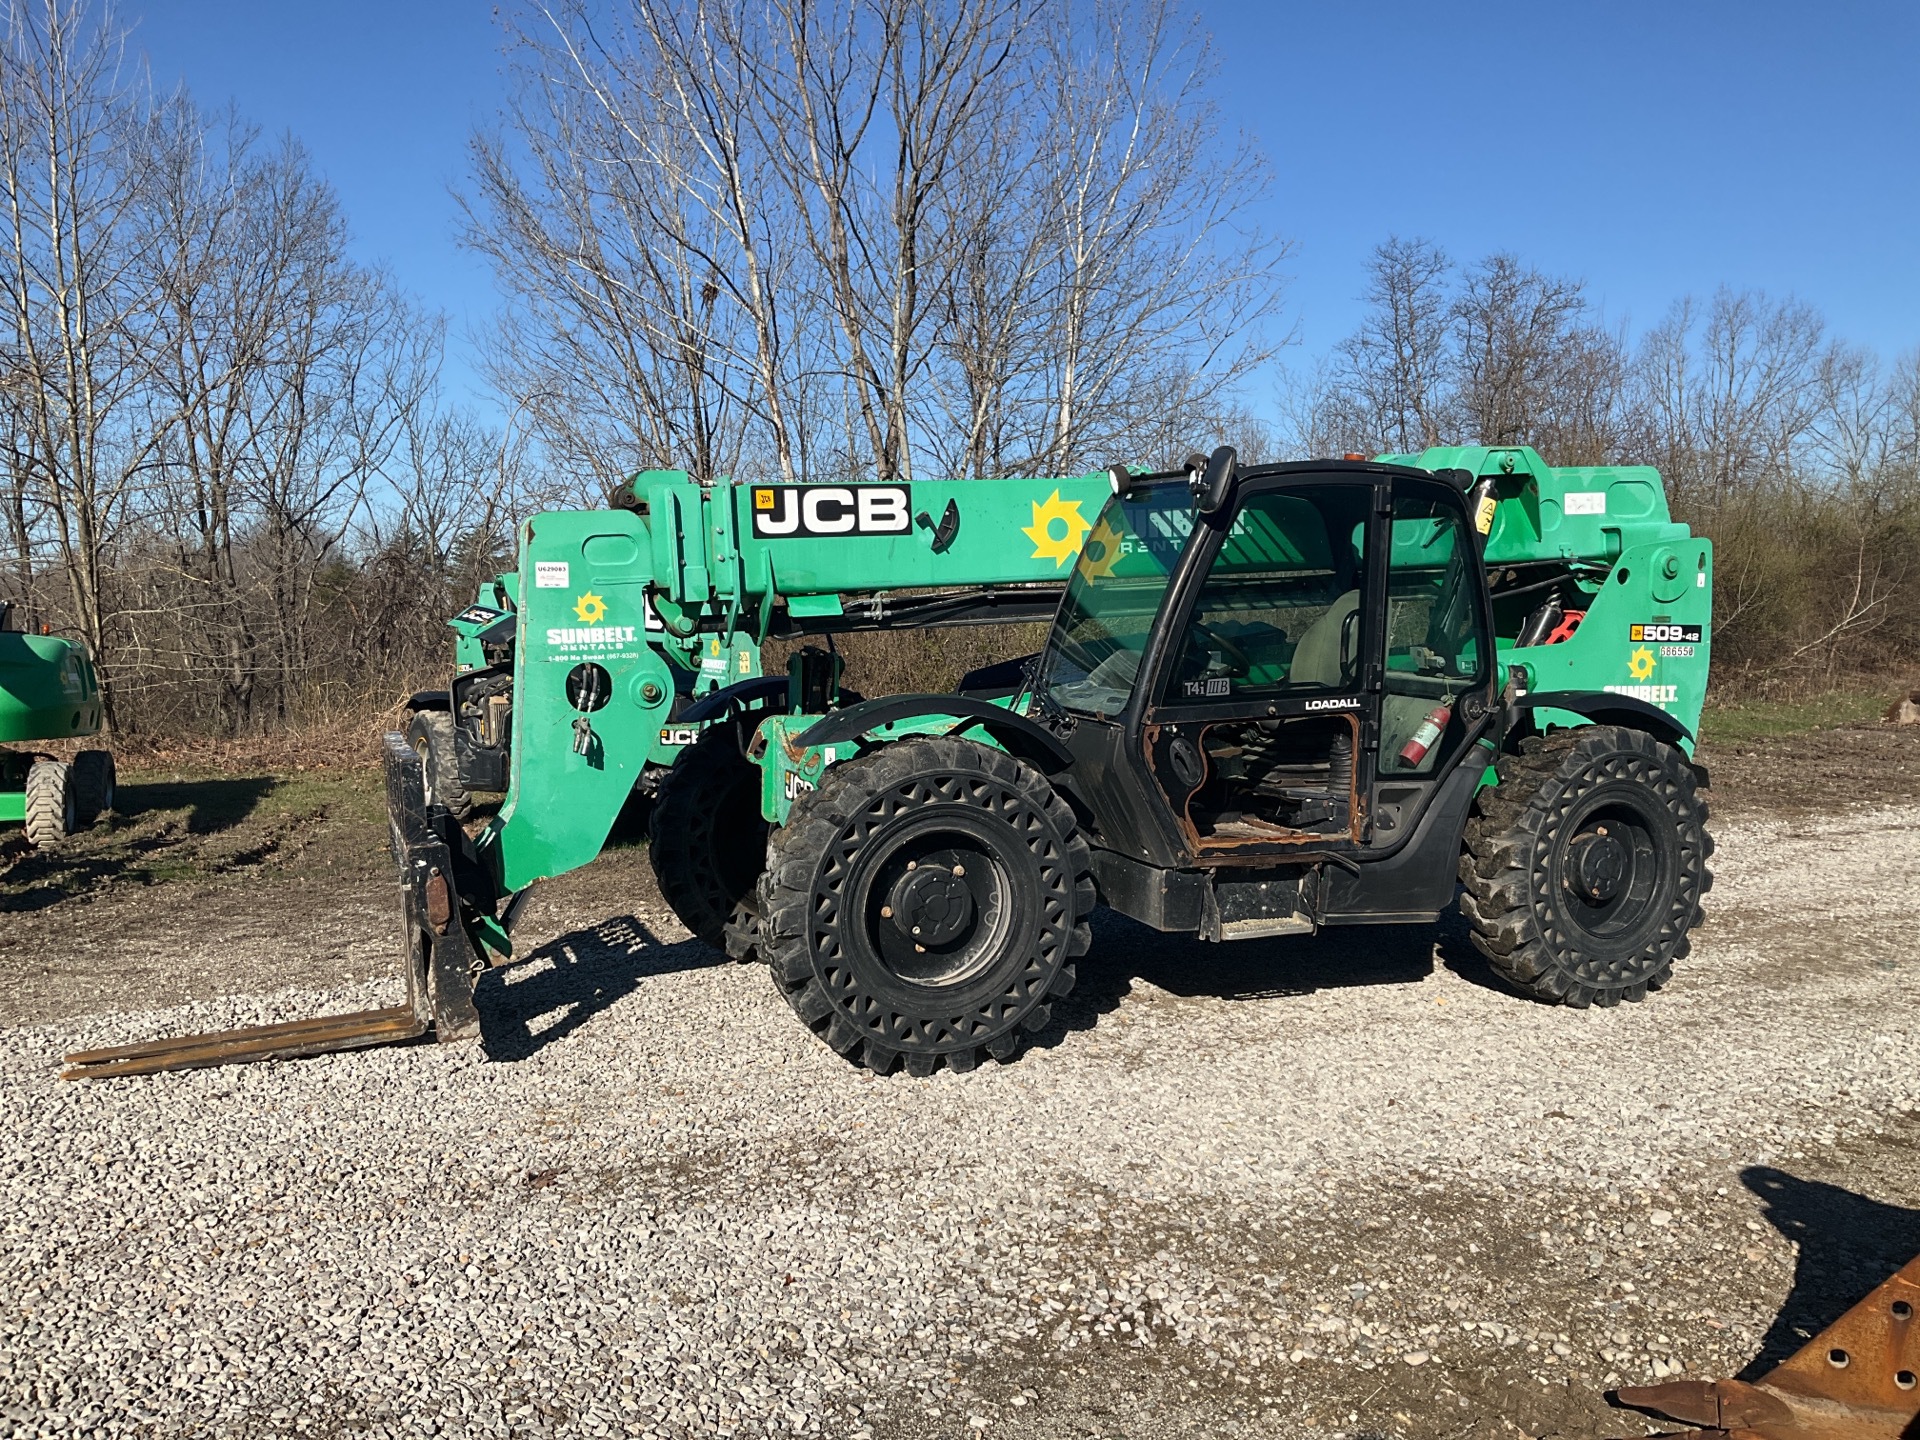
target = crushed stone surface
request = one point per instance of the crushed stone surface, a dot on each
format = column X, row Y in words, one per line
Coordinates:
column 1339, row 1186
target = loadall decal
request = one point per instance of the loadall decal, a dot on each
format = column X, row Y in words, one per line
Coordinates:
column 785, row 510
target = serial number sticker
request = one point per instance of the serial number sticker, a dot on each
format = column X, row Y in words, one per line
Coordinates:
column 1676, row 652
column 1680, row 634
column 550, row 575
column 781, row 510
column 1586, row 502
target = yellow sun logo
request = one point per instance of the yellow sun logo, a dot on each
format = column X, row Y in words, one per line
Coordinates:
column 1063, row 545
column 1103, row 549
column 1641, row 665
column 590, row 608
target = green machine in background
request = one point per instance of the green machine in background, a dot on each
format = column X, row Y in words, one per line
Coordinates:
column 48, row 691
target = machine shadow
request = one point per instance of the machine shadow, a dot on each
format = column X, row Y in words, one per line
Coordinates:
column 1847, row 1245
column 212, row 805
column 591, row 970
column 1125, row 952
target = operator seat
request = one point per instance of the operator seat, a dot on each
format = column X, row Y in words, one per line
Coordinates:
column 1316, row 659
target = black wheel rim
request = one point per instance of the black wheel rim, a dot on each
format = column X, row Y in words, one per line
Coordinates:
column 936, row 900
column 1615, row 871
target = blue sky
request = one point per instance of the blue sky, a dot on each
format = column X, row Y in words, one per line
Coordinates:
column 1653, row 148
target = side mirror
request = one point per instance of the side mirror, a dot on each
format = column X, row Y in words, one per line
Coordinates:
column 1213, row 489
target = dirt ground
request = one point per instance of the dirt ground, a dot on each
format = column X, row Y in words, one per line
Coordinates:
column 246, row 884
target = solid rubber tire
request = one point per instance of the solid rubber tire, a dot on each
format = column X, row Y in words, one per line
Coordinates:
column 52, row 807
column 1516, row 847
column 94, row 783
column 430, row 733
column 914, row 792
column 707, row 840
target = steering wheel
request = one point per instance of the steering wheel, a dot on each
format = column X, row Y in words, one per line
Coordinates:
column 1232, row 651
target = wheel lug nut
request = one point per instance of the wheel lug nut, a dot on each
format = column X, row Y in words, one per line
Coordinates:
column 959, row 869
column 916, row 930
column 913, row 864
column 919, row 949
column 886, row 912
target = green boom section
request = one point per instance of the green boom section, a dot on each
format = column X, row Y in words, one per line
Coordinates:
column 609, row 603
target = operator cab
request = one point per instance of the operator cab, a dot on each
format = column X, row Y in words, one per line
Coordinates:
column 1267, row 664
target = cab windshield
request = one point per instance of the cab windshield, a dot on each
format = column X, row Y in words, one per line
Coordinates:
column 1093, row 654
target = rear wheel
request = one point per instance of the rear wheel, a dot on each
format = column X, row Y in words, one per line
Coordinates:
column 53, row 809
column 708, row 841
column 430, row 733
column 925, row 905
column 1585, row 866
column 93, row 783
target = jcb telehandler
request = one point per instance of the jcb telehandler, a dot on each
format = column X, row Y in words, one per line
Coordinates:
column 1272, row 699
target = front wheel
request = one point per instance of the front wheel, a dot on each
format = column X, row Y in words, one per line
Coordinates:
column 1585, row 866
column 52, row 803
column 94, row 784
column 925, row 905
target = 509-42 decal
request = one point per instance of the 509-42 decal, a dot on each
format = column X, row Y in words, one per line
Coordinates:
column 1679, row 634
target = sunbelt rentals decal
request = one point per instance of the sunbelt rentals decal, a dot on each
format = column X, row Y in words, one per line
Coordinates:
column 592, row 637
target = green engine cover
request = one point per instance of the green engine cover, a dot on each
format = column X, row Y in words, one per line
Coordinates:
column 48, row 690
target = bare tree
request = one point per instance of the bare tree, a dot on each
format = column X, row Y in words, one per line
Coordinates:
column 69, row 176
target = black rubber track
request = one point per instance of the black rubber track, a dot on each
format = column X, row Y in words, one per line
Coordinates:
column 430, row 733
column 1515, row 864
column 855, row 821
column 708, row 842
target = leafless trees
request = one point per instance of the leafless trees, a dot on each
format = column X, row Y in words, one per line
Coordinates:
column 1796, row 452
column 205, row 395
column 981, row 236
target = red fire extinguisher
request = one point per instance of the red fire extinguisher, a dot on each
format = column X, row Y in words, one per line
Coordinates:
column 1421, row 741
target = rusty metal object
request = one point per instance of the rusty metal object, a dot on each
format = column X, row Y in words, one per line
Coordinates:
column 441, row 961
column 1858, row 1379
column 255, row 1042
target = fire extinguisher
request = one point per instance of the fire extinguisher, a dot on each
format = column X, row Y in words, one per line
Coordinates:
column 1430, row 730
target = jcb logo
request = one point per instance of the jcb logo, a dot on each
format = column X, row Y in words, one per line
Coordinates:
column 782, row 510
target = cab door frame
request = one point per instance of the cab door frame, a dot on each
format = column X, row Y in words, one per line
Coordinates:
column 1148, row 724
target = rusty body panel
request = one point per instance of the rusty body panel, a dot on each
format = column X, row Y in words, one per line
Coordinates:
column 441, row 962
column 1859, row 1379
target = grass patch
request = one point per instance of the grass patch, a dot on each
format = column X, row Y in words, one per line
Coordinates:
column 186, row 825
column 1747, row 721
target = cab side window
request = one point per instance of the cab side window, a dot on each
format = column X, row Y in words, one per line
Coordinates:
column 1436, row 650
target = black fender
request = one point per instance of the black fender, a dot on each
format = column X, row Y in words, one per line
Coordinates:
column 742, row 693
column 429, row 700
column 1604, row 708
column 1028, row 739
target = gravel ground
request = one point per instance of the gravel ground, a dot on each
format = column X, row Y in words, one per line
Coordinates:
column 1337, row 1187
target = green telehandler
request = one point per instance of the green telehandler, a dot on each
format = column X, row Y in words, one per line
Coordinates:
column 1272, row 699
column 48, row 691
